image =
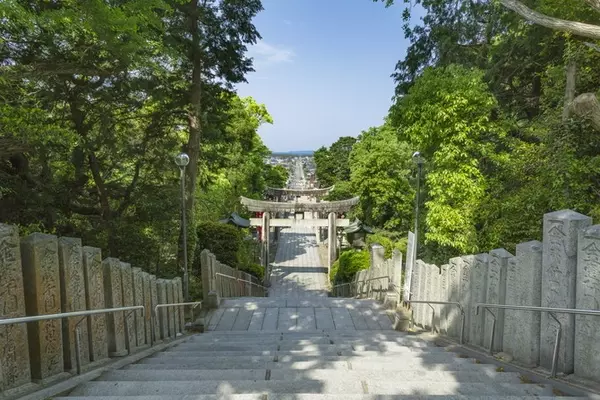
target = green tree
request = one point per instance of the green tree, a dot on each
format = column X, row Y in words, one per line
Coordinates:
column 332, row 163
column 276, row 176
column 380, row 167
column 96, row 99
column 447, row 115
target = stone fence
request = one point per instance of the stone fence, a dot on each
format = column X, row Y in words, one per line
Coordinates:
column 41, row 274
column 563, row 271
column 221, row 281
column 381, row 281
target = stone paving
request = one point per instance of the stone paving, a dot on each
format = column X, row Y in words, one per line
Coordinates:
column 297, row 270
column 298, row 297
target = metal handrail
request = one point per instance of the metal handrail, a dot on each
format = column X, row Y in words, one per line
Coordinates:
column 47, row 317
column 83, row 314
column 194, row 304
column 154, row 315
column 240, row 280
column 430, row 302
column 550, row 310
column 361, row 281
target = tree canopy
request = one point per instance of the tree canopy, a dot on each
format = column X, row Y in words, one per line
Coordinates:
column 500, row 99
column 96, row 99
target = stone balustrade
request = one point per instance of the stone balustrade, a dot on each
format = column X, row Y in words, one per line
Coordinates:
column 42, row 274
column 381, row 281
column 562, row 271
column 222, row 281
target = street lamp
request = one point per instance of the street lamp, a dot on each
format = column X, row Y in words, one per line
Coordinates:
column 419, row 160
column 182, row 160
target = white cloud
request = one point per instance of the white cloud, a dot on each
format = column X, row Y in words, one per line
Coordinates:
column 268, row 54
column 287, row 22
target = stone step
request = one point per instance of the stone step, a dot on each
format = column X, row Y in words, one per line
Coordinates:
column 309, row 333
column 316, row 396
column 318, row 340
column 258, row 362
column 196, row 350
column 313, row 374
column 344, row 386
column 308, row 349
column 318, row 302
column 285, row 353
column 424, row 358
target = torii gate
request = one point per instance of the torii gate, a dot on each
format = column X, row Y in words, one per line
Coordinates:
column 332, row 208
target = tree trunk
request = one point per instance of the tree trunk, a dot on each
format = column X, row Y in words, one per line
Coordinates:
column 576, row 28
column 569, row 89
column 587, row 106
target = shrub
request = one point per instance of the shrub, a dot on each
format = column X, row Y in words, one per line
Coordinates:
column 195, row 288
column 223, row 240
column 254, row 269
column 333, row 271
column 350, row 262
column 389, row 241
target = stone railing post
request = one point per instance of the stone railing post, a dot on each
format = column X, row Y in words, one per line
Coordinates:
column 444, row 296
column 179, row 299
column 523, row 288
column 209, row 293
column 587, row 346
column 72, row 291
column 377, row 268
column 559, row 271
column 138, row 300
column 14, row 349
column 496, row 293
column 127, row 287
column 454, row 317
column 147, row 294
column 39, row 253
column 163, row 312
column 113, row 296
column 172, row 312
column 94, row 289
column 479, row 277
column 154, row 297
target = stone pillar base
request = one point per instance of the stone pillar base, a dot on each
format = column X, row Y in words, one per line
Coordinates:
column 212, row 301
column 402, row 320
column 121, row 353
column 198, row 325
column 52, row 379
column 390, row 300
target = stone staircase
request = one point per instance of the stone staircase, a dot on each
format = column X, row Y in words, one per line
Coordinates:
column 299, row 364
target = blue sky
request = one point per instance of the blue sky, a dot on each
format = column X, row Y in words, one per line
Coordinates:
column 323, row 68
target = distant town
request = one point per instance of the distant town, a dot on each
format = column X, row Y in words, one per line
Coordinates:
column 287, row 160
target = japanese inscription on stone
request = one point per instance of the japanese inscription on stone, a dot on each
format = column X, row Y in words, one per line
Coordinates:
column 138, row 300
column 559, row 270
column 39, row 254
column 94, row 291
column 587, row 345
column 523, row 288
column 113, row 295
column 72, row 290
column 14, row 349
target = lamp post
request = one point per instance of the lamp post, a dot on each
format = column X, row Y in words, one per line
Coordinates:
column 182, row 160
column 419, row 161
